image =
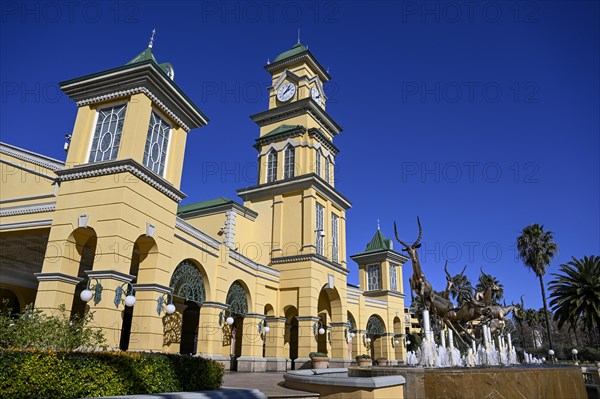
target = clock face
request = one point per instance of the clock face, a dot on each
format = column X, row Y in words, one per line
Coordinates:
column 314, row 93
column 286, row 92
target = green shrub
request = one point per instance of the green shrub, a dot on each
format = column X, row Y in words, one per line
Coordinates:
column 317, row 354
column 34, row 329
column 48, row 374
column 589, row 354
column 363, row 357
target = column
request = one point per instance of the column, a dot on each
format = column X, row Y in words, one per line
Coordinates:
column 107, row 314
column 55, row 289
column 252, row 359
column 147, row 328
column 210, row 334
column 307, row 341
column 275, row 353
column 339, row 345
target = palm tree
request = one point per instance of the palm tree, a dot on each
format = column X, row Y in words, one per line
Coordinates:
column 461, row 289
column 536, row 249
column 575, row 294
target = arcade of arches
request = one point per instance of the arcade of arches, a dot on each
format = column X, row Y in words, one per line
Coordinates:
column 256, row 285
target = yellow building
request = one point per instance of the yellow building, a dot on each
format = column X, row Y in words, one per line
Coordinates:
column 106, row 226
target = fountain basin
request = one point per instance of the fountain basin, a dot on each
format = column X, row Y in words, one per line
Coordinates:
column 335, row 383
column 543, row 382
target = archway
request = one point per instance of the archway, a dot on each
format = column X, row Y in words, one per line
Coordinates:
column 85, row 240
column 398, row 351
column 375, row 331
column 144, row 255
column 237, row 301
column 268, row 312
column 352, row 342
column 189, row 294
column 291, row 333
column 9, row 302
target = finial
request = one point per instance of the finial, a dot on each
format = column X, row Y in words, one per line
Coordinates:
column 298, row 35
column 268, row 61
column 327, row 69
column 152, row 38
column 378, row 225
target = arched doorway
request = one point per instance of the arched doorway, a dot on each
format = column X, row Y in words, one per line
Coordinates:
column 9, row 302
column 291, row 334
column 144, row 252
column 189, row 294
column 85, row 245
column 352, row 342
column 375, row 331
column 398, row 351
column 237, row 302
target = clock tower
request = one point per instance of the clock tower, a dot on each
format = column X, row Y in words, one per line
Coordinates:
column 302, row 217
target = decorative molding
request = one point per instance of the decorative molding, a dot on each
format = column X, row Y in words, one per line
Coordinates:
column 110, row 274
column 28, row 209
column 292, row 60
column 193, row 244
column 28, row 198
column 310, row 258
column 217, row 305
column 302, row 182
column 129, row 92
column 375, row 301
column 88, row 170
column 63, row 278
column 153, row 287
column 196, row 233
column 24, row 225
column 29, row 170
column 254, row 274
column 31, row 157
column 248, row 262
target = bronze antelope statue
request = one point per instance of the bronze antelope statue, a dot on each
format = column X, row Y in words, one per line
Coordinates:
column 418, row 282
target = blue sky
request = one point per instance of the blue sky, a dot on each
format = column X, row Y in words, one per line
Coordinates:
column 481, row 118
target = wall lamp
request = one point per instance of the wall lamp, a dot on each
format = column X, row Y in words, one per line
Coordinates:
column 318, row 327
column 395, row 342
column 129, row 299
column 263, row 327
column 349, row 334
column 86, row 294
column 229, row 320
column 170, row 308
column 366, row 340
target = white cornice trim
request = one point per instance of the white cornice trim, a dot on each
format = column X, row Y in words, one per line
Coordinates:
column 110, row 274
column 193, row 244
column 375, row 301
column 27, row 209
column 129, row 92
column 64, row 278
column 27, row 198
column 196, row 233
column 310, row 258
column 24, row 225
column 121, row 166
column 32, row 157
column 248, row 262
column 257, row 275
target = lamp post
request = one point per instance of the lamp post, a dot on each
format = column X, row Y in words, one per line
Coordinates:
column 551, row 354
column 575, row 352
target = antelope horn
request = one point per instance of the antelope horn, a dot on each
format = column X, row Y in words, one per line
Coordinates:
column 398, row 238
column 463, row 270
column 446, row 270
column 420, row 233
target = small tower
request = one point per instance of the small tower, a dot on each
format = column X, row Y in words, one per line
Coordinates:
column 117, row 202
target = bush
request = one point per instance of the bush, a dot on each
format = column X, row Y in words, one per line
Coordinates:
column 363, row 357
column 589, row 354
column 49, row 374
column 317, row 354
column 34, row 329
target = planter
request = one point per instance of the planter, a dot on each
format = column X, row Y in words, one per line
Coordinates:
column 382, row 362
column 364, row 362
column 320, row 362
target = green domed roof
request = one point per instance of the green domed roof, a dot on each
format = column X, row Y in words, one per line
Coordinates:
column 297, row 49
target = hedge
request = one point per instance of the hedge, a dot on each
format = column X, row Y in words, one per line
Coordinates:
column 48, row 374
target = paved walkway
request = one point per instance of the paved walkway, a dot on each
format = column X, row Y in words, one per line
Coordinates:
column 271, row 384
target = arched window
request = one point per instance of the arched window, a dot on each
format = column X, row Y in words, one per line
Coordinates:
column 375, row 326
column 236, row 299
column 187, row 283
column 272, row 166
column 327, row 167
column 289, row 159
column 318, row 163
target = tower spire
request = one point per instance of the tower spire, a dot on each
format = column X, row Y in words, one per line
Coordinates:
column 298, row 35
column 378, row 225
column 152, row 38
